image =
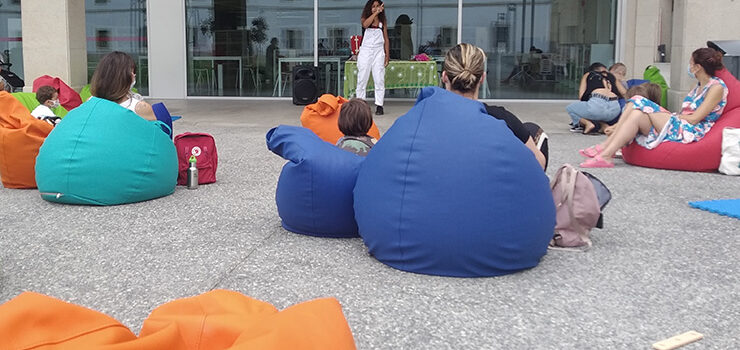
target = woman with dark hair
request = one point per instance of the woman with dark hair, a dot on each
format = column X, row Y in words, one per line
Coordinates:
column 113, row 80
column 374, row 55
column 643, row 121
column 463, row 73
column 601, row 105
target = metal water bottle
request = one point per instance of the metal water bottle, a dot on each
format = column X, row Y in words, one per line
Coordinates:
column 192, row 174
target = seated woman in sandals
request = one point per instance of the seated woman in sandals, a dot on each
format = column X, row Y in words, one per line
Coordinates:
column 644, row 122
column 599, row 103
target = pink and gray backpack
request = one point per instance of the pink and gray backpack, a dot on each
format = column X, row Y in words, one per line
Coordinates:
column 203, row 147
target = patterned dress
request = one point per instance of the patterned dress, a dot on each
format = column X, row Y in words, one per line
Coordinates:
column 676, row 129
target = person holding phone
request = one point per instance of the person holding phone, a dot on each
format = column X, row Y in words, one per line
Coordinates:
column 373, row 56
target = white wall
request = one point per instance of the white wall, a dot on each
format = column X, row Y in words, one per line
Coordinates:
column 167, row 52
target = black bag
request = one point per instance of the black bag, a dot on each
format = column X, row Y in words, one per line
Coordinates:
column 11, row 80
column 602, row 193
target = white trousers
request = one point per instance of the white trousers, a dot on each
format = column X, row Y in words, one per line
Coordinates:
column 371, row 60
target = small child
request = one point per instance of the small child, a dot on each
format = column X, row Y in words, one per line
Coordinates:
column 355, row 120
column 49, row 98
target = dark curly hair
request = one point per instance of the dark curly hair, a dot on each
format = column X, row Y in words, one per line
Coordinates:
column 709, row 59
column 368, row 10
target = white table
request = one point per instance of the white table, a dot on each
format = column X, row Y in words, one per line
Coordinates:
column 220, row 69
column 329, row 59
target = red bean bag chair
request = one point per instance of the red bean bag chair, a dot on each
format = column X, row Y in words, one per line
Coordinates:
column 68, row 97
column 21, row 136
column 322, row 117
column 703, row 155
column 218, row 319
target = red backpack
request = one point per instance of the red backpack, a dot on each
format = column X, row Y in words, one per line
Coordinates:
column 203, row 147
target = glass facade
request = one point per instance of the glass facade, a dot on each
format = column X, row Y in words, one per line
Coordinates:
column 536, row 48
column 539, row 49
column 118, row 25
column 11, row 45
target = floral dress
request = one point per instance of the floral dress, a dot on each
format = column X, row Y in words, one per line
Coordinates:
column 677, row 129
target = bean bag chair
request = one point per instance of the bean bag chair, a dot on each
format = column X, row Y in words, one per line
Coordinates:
column 21, row 135
column 218, row 319
column 85, row 93
column 652, row 74
column 704, row 155
column 450, row 191
column 28, row 100
column 314, row 192
column 104, row 154
column 322, row 118
column 68, row 97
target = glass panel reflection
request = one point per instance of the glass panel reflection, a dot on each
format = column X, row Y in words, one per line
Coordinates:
column 118, row 25
column 539, row 49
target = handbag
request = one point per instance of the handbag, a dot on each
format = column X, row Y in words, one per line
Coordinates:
column 730, row 163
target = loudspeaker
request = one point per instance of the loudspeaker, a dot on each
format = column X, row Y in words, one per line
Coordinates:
column 305, row 85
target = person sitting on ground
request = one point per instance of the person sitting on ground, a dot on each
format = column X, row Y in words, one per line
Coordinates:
column 601, row 107
column 48, row 98
column 651, row 91
column 355, row 121
column 620, row 73
column 644, row 122
column 113, row 80
column 464, row 71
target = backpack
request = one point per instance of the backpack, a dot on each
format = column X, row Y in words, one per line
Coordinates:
column 203, row 147
column 355, row 42
column 579, row 199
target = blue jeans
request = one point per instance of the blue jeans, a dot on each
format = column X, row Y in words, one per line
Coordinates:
column 596, row 109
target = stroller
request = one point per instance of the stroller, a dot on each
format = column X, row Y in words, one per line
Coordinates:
column 13, row 82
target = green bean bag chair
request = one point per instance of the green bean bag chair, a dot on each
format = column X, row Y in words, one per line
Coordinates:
column 104, row 154
column 28, row 99
column 652, row 73
column 85, row 93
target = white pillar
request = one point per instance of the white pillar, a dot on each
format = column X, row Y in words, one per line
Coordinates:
column 54, row 41
column 167, row 49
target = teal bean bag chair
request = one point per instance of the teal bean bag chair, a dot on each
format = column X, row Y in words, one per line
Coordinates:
column 104, row 154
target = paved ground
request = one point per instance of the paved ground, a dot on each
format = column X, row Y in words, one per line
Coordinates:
column 659, row 268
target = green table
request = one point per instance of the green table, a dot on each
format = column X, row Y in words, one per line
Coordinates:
column 398, row 75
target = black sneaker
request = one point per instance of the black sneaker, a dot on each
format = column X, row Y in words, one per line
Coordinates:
column 379, row 110
column 576, row 128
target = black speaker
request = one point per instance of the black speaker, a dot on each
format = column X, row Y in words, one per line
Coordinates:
column 305, row 85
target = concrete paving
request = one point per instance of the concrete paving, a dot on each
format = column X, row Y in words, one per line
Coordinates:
column 657, row 269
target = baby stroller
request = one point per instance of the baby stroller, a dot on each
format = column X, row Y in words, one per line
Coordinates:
column 12, row 81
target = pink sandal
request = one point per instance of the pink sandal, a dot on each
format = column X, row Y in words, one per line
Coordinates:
column 597, row 162
column 591, row 152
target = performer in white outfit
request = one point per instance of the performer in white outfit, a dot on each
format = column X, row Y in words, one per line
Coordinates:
column 373, row 56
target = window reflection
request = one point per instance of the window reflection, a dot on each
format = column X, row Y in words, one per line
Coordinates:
column 11, row 44
column 539, row 49
column 118, row 25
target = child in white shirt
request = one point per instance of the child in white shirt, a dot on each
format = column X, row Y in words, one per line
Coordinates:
column 48, row 98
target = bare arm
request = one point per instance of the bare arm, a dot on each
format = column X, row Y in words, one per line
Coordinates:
column 145, row 111
column 621, row 88
column 537, row 153
column 714, row 96
column 582, row 87
column 366, row 22
column 386, row 44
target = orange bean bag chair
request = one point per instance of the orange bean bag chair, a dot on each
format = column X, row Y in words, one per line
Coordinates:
column 704, row 155
column 68, row 97
column 322, row 117
column 21, row 136
column 218, row 319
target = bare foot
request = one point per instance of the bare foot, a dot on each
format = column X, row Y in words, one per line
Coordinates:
column 609, row 129
column 588, row 126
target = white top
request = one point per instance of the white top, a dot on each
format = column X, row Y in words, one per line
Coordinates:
column 42, row 111
column 373, row 37
column 132, row 101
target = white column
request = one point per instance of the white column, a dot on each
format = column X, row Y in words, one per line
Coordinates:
column 55, row 47
column 167, row 49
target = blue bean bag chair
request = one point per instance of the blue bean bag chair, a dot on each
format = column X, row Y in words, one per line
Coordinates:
column 449, row 190
column 314, row 192
column 104, row 154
